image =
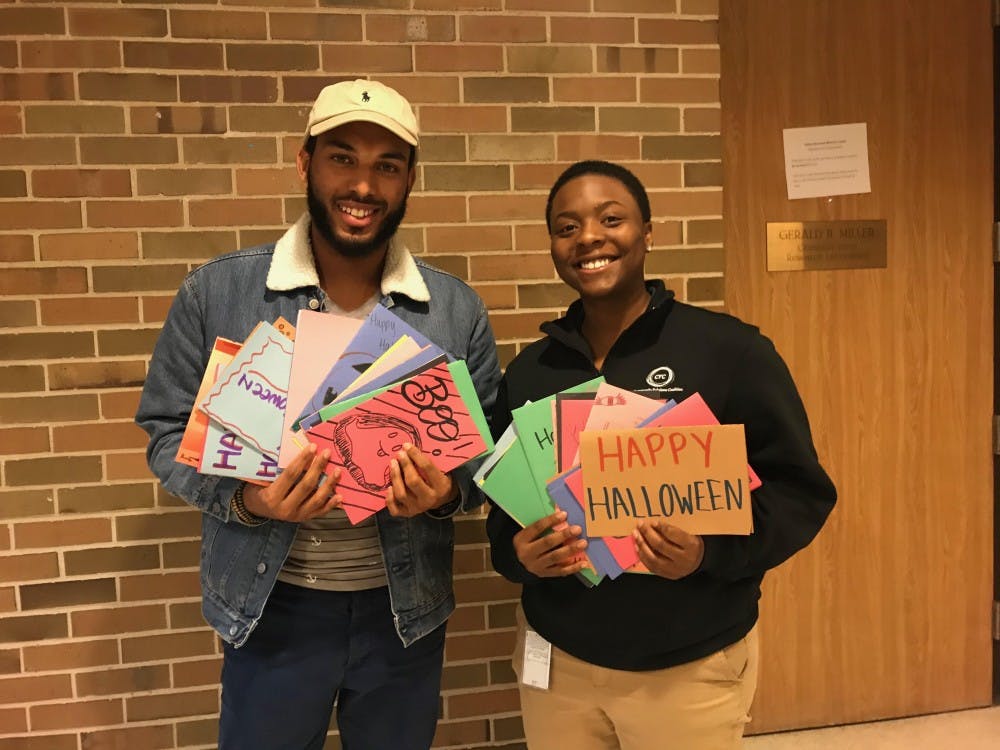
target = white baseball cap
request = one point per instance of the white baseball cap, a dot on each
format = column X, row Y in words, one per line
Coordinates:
column 368, row 101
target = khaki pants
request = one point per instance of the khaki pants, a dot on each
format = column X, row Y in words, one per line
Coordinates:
column 703, row 705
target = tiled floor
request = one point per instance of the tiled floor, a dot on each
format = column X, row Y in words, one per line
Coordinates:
column 976, row 729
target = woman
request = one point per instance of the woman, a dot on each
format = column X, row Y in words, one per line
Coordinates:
column 668, row 659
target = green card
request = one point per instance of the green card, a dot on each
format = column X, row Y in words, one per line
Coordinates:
column 536, row 433
column 510, row 485
column 463, row 381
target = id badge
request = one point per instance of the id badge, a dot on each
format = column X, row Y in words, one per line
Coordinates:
column 537, row 660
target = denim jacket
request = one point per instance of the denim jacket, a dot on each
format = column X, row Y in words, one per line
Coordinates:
column 227, row 297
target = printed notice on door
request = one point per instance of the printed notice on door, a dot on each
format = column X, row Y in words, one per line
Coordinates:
column 827, row 160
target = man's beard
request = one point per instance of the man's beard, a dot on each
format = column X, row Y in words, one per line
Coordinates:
column 350, row 248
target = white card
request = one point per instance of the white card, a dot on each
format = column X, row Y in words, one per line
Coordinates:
column 827, row 160
column 537, row 658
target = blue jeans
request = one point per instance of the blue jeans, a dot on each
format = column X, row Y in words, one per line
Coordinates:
column 313, row 647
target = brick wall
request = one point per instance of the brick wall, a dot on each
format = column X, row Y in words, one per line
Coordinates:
column 139, row 139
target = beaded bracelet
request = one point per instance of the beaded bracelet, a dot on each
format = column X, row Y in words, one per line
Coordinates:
column 243, row 515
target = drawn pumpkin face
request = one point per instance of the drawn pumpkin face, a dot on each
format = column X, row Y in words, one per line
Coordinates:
column 368, row 442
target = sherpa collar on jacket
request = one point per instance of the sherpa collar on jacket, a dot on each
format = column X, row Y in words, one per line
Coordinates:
column 293, row 266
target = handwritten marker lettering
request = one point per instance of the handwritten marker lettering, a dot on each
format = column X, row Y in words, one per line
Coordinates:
column 268, row 468
column 635, row 452
column 432, row 411
column 228, row 448
column 669, row 499
column 264, row 393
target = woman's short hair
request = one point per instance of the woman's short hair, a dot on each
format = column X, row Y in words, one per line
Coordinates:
column 607, row 169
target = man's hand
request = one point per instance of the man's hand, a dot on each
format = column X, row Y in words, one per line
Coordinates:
column 417, row 484
column 666, row 550
column 550, row 548
column 296, row 494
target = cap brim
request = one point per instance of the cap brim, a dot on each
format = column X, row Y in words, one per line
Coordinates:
column 364, row 115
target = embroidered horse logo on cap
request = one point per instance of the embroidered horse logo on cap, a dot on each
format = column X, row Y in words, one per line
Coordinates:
column 365, row 97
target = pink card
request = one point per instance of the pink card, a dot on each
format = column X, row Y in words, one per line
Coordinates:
column 426, row 410
column 320, row 339
column 616, row 407
column 571, row 412
column 694, row 411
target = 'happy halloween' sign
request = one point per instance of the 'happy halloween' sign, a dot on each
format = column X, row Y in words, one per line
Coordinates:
column 692, row 477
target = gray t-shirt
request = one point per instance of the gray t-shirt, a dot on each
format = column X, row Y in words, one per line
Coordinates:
column 329, row 552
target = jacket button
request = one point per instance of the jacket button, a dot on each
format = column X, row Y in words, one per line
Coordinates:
column 233, row 629
column 261, row 567
column 313, row 304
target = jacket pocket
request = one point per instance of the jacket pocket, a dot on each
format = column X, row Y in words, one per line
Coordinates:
column 229, row 560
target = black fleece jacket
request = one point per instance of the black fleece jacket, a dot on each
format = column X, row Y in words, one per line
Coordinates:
column 641, row 622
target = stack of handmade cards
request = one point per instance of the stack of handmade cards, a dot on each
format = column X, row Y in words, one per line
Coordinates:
column 234, row 427
column 611, row 458
column 679, row 464
column 362, row 388
column 383, row 350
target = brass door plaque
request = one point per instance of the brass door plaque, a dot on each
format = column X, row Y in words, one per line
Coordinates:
column 825, row 245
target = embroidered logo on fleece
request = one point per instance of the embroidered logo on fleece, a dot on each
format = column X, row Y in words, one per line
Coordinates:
column 661, row 379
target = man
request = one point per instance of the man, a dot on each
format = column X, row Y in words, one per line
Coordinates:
column 354, row 614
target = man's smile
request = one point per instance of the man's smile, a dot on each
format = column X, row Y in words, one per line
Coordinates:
column 357, row 216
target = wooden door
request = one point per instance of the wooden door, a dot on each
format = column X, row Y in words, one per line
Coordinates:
column 888, row 612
